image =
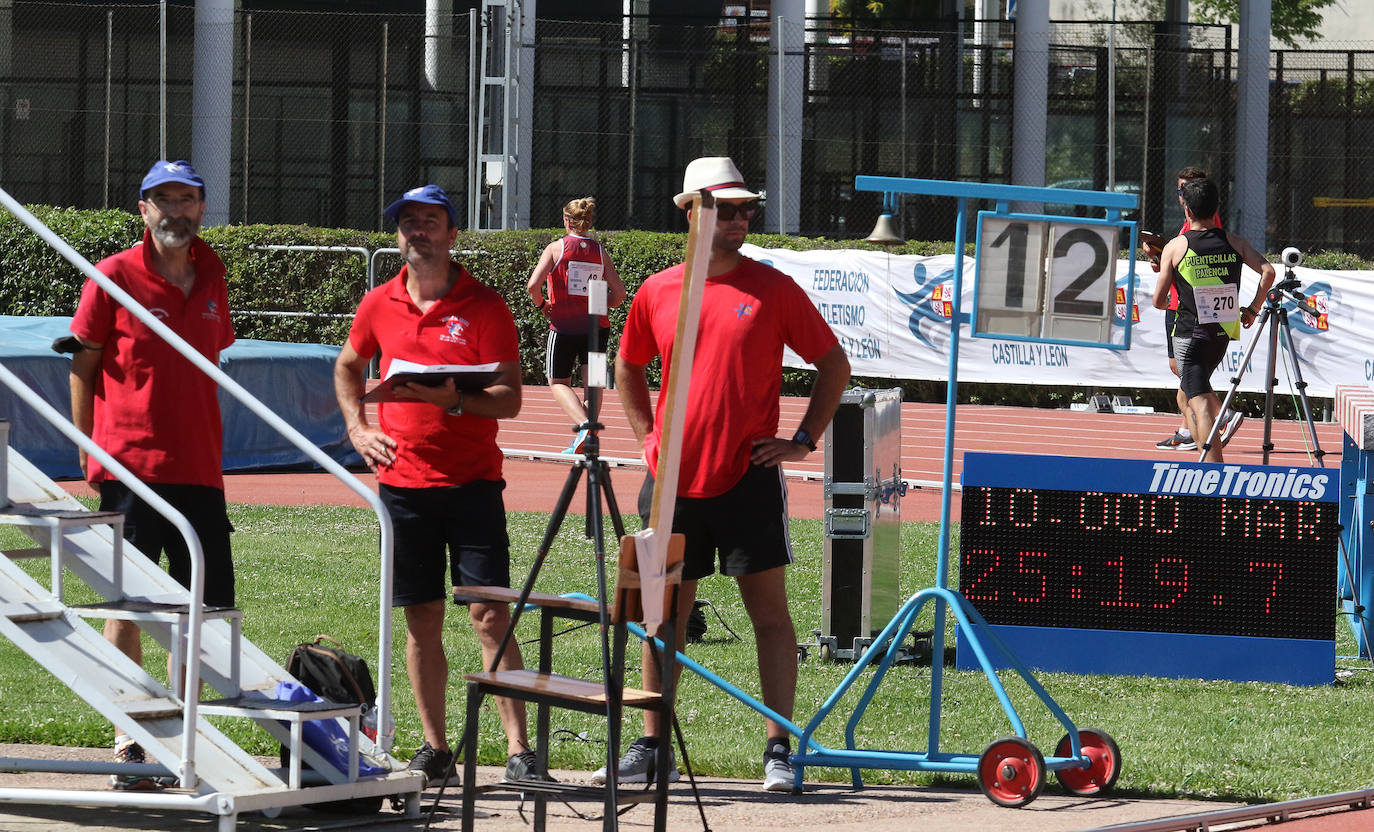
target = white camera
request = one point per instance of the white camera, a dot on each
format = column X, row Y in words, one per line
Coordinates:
column 1292, row 257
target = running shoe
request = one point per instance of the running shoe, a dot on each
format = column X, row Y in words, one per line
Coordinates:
column 578, row 442
column 778, row 775
column 435, row 763
column 525, row 766
column 637, row 765
column 1177, row 442
column 1230, row 426
column 131, row 752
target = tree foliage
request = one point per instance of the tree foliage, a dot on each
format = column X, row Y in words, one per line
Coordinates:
column 1291, row 21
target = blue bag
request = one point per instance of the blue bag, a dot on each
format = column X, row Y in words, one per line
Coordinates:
column 326, row 736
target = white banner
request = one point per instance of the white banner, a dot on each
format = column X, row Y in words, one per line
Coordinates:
column 892, row 316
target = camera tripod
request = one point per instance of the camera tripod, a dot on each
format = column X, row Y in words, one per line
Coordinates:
column 1273, row 317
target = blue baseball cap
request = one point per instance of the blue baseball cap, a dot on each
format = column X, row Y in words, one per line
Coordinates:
column 164, row 171
column 428, row 194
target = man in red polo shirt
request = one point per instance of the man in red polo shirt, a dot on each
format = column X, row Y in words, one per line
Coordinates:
column 436, row 458
column 731, row 494
column 148, row 406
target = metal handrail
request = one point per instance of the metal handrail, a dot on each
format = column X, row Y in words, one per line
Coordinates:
column 384, row 734
column 197, row 555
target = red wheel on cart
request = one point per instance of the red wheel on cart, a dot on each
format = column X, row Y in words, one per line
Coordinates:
column 1011, row 772
column 1104, row 760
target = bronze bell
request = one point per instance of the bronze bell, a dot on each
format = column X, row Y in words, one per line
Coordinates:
column 885, row 231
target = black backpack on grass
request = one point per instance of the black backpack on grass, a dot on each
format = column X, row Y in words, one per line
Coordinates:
column 334, row 674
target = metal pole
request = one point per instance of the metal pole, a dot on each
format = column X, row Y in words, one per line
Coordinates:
column 903, row 109
column 474, row 103
column 381, row 141
column 780, row 23
column 634, row 121
column 162, row 80
column 109, row 81
column 1111, row 102
column 247, row 102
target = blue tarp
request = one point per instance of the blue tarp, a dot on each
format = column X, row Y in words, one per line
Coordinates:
column 294, row 380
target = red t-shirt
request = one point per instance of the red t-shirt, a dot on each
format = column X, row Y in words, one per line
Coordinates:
column 154, row 411
column 470, row 325
column 747, row 315
column 568, row 284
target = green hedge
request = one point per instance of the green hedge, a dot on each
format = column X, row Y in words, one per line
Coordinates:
column 35, row 280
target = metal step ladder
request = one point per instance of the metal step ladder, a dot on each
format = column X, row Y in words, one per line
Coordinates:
column 216, row 775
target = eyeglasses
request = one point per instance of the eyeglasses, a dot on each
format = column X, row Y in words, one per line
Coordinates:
column 168, row 204
column 727, row 211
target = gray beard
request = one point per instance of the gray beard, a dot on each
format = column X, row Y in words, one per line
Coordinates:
column 171, row 237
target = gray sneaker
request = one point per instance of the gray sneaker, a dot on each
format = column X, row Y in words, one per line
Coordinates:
column 778, row 775
column 637, row 765
column 1230, row 426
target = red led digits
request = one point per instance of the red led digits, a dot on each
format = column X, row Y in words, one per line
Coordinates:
column 1120, row 599
column 971, row 586
column 987, row 506
column 1255, row 566
column 1023, row 523
column 1022, row 569
column 1179, row 567
column 1164, row 514
column 1097, row 512
column 1127, row 520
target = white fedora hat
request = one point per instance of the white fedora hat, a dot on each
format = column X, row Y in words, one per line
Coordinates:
column 716, row 174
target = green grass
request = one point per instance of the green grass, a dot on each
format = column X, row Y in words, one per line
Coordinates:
column 304, row 571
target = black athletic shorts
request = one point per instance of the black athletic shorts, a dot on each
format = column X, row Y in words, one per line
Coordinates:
column 565, row 351
column 152, row 534
column 447, row 530
column 746, row 525
column 1197, row 358
column 1170, row 315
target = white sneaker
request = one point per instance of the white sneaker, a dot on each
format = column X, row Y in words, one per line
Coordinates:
column 636, row 764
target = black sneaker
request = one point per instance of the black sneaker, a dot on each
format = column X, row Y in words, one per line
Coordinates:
column 435, row 763
column 525, row 766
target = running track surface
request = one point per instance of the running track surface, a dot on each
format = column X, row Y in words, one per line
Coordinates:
column 535, row 468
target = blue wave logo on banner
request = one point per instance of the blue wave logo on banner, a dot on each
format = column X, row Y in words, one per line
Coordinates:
column 923, row 304
column 1310, row 316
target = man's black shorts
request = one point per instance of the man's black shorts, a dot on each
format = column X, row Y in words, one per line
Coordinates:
column 746, row 525
column 565, row 351
column 1169, row 316
column 152, row 534
column 460, row 528
column 1197, row 358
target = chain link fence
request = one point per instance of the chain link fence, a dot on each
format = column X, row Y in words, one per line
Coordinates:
column 335, row 113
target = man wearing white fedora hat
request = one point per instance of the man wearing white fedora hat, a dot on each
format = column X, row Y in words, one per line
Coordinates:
column 731, row 496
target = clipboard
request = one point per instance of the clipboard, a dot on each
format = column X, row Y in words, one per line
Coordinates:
column 465, row 380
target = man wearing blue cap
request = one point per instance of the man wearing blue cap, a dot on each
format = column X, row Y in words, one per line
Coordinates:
column 148, row 406
column 435, row 454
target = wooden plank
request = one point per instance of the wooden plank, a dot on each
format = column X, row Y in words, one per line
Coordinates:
column 556, row 686
column 510, row 596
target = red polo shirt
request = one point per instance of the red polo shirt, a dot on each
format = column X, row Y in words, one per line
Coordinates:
column 747, row 315
column 154, row 411
column 470, row 325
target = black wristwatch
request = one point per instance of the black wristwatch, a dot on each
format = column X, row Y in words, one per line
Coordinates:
column 801, row 437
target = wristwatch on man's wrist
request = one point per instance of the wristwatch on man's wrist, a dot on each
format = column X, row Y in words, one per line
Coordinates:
column 457, row 410
column 801, row 437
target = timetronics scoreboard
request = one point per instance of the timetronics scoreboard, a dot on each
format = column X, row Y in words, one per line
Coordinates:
column 1154, row 568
